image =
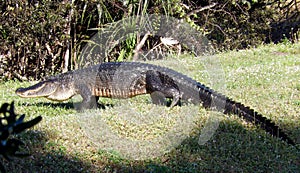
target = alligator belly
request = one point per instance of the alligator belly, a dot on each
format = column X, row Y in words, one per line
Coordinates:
column 115, row 93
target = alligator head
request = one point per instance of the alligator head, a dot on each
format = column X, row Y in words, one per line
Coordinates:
column 50, row 89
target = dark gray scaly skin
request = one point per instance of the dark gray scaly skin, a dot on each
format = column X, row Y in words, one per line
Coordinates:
column 129, row 79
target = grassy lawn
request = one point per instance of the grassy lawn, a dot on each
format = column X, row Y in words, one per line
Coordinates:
column 136, row 136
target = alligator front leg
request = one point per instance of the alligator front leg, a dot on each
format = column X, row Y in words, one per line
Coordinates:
column 88, row 100
column 160, row 87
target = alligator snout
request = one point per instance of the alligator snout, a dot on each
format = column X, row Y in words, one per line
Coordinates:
column 40, row 89
column 20, row 91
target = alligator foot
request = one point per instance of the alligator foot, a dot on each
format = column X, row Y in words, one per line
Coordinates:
column 91, row 104
column 158, row 98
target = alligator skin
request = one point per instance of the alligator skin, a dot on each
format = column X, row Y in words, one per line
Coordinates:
column 128, row 79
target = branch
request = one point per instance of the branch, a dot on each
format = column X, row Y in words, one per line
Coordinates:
column 139, row 46
column 201, row 9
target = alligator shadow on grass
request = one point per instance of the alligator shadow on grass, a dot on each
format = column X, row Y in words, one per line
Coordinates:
column 232, row 149
column 47, row 157
column 42, row 159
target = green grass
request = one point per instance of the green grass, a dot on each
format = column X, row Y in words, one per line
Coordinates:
column 136, row 136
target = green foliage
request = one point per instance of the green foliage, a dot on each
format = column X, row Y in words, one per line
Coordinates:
column 32, row 37
column 39, row 38
column 10, row 124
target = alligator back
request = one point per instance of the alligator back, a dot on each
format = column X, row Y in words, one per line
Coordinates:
column 128, row 79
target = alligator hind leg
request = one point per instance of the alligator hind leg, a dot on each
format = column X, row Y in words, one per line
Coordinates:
column 161, row 87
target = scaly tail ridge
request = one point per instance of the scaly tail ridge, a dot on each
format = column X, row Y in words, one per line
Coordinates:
column 250, row 115
column 213, row 100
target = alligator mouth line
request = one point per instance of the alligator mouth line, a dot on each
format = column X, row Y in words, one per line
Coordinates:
column 39, row 90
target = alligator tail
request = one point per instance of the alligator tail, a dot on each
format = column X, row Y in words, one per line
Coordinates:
column 216, row 101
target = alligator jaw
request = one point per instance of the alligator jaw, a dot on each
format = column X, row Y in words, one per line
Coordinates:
column 41, row 89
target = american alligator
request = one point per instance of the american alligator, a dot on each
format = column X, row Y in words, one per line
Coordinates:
column 129, row 79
